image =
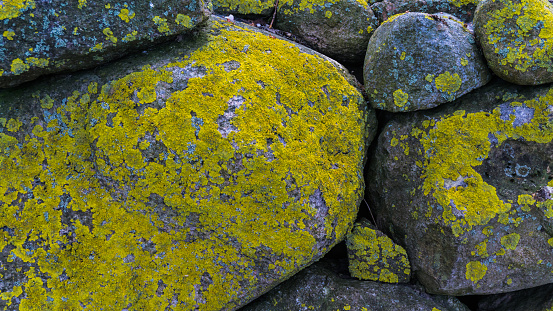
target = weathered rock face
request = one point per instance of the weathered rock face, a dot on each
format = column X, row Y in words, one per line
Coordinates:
column 462, row 9
column 418, row 61
column 196, row 176
column 339, row 29
column 516, row 38
column 245, row 7
column 467, row 190
column 535, row 299
column 319, row 288
column 42, row 37
column 374, row 256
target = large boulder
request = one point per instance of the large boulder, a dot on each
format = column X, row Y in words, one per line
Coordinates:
column 193, row 177
column 462, row 9
column 418, row 61
column 517, row 39
column 45, row 37
column 320, row 287
column 339, row 29
column 466, row 189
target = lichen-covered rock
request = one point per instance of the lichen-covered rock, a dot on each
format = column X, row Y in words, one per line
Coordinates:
column 320, row 288
column 462, row 9
column 194, row 177
column 374, row 256
column 339, row 29
column 517, row 39
column 466, row 189
column 533, row 299
column 418, row 61
column 43, row 37
column 248, row 8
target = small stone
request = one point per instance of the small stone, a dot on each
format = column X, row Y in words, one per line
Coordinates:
column 374, row 256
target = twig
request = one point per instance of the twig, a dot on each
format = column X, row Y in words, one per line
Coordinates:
column 371, row 213
column 274, row 14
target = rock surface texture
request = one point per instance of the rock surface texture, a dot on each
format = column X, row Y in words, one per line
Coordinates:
column 320, row 288
column 534, row 299
column 374, row 256
column 194, row 177
column 462, row 9
column 467, row 190
column 253, row 8
column 517, row 39
column 339, row 29
column 43, row 37
column 418, row 61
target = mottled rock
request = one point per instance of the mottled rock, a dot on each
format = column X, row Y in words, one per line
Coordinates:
column 374, row 256
column 43, row 37
column 338, row 29
column 196, row 176
column 248, row 8
column 534, row 299
column 320, row 288
column 466, row 189
column 462, row 9
column 418, row 61
column 517, row 39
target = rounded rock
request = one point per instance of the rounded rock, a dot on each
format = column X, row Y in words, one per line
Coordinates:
column 517, row 39
column 193, row 177
column 418, row 61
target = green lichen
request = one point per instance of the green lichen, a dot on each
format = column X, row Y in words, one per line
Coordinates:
column 475, row 271
column 458, row 143
column 224, row 199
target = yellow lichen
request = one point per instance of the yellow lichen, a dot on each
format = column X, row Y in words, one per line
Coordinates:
column 448, row 83
column 98, row 147
column 13, row 8
column 457, row 144
column 126, row 15
column 475, row 271
column 18, row 66
column 82, row 4
column 184, row 20
column 528, row 15
column 161, row 23
column 8, row 34
column 510, row 241
column 400, row 98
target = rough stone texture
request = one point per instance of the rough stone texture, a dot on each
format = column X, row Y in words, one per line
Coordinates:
column 517, row 39
column 534, row 299
column 42, row 37
column 319, row 288
column 338, row 29
column 194, row 177
column 418, row 61
column 374, row 256
column 462, row 9
column 466, row 189
column 248, row 8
